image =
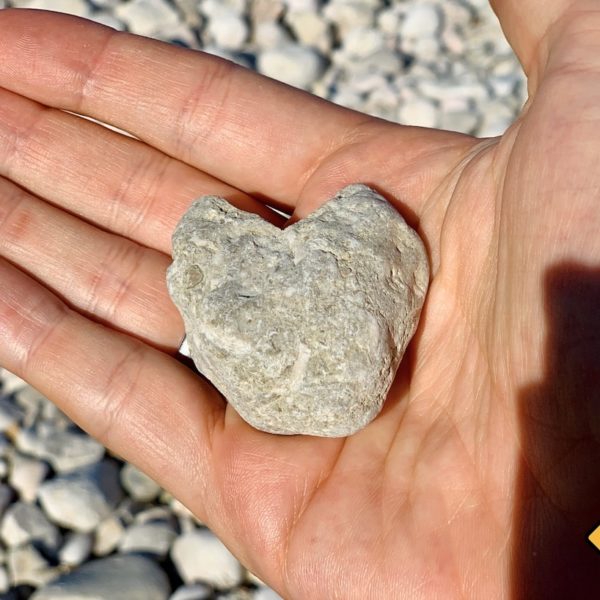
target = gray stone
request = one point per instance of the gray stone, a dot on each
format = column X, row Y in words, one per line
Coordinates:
column 64, row 450
column 266, row 593
column 4, row 583
column 201, row 557
column 6, row 496
column 82, row 499
column 139, row 486
column 10, row 415
column 25, row 523
column 196, row 591
column 27, row 566
column 302, row 330
column 114, row 578
column 150, row 538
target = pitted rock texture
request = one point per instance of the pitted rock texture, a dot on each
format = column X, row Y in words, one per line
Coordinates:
column 302, row 329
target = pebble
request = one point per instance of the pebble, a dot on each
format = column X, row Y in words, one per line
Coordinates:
column 6, row 497
column 10, row 415
column 23, row 523
column 79, row 8
column 76, row 549
column 229, row 31
column 268, row 35
column 150, row 538
column 64, row 450
column 311, row 29
column 196, row 591
column 27, row 566
column 81, row 499
column 108, row 534
column 419, row 112
column 26, row 475
column 11, row 382
column 266, row 593
column 362, row 42
column 146, row 17
column 347, row 15
column 422, row 20
column 4, row 582
column 295, row 65
column 126, row 577
column 200, row 556
column 3, row 468
column 137, row 484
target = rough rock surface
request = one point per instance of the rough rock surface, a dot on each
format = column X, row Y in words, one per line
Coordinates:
column 301, row 329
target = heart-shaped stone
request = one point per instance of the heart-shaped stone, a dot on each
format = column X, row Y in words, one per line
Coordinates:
column 302, row 329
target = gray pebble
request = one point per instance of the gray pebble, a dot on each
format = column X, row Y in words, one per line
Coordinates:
column 137, row 484
column 80, row 8
column 302, row 330
column 196, row 591
column 27, row 566
column 64, row 450
column 149, row 538
column 4, row 582
column 10, row 414
column 23, row 523
column 81, row 499
column 114, row 578
column 146, row 17
column 201, row 557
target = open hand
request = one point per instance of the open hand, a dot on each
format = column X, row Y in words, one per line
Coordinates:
column 480, row 477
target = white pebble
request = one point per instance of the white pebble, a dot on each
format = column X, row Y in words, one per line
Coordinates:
column 79, row 8
column 108, row 534
column 269, row 34
column 296, row 65
column 361, row 42
column 26, row 566
column 26, row 476
column 421, row 20
column 229, row 31
column 4, row 583
column 347, row 16
column 196, row 591
column 310, row 29
column 146, row 17
column 10, row 382
column 201, row 556
column 76, row 549
column 419, row 112
column 266, row 593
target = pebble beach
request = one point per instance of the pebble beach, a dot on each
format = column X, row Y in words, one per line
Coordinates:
column 78, row 522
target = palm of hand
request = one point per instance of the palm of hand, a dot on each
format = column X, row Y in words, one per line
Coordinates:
column 424, row 500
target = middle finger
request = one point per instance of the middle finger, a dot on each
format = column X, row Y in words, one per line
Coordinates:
column 116, row 182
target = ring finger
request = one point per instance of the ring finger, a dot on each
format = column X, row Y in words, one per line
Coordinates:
column 109, row 278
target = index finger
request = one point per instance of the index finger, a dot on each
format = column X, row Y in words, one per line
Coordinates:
column 247, row 130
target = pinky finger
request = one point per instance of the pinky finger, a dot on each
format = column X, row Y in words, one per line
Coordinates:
column 136, row 400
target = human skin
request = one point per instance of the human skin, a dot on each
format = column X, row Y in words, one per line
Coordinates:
column 480, row 477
